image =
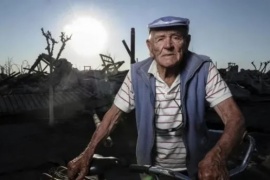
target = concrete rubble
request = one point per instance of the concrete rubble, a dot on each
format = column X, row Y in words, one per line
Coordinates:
column 29, row 91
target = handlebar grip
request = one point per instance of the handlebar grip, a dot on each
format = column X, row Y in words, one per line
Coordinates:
column 139, row 168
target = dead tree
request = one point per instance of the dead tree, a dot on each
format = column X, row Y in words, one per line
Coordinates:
column 263, row 66
column 50, row 48
column 50, row 42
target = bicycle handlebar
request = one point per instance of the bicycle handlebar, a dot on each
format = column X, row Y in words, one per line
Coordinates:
column 251, row 147
column 101, row 164
column 157, row 171
column 178, row 175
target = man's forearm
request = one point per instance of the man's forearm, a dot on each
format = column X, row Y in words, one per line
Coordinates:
column 234, row 127
column 232, row 135
column 106, row 126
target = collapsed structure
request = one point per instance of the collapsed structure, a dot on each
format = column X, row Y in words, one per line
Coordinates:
column 30, row 91
column 252, row 85
column 54, row 80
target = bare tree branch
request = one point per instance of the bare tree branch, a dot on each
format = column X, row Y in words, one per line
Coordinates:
column 50, row 42
column 260, row 66
column 254, row 65
column 265, row 65
column 64, row 39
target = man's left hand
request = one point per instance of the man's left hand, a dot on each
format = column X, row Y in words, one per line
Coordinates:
column 213, row 166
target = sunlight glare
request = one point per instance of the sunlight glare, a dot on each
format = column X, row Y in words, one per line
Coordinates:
column 88, row 36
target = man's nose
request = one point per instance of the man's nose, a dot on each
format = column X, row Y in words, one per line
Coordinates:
column 168, row 43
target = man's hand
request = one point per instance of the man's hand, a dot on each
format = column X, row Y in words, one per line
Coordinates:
column 213, row 167
column 78, row 167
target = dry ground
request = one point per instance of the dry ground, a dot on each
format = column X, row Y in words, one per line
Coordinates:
column 29, row 146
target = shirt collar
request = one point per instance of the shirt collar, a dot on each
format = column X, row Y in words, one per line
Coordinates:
column 153, row 69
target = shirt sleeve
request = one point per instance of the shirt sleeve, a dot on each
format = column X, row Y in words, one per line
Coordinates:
column 124, row 99
column 216, row 88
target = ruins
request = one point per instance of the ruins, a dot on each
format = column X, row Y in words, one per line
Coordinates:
column 52, row 92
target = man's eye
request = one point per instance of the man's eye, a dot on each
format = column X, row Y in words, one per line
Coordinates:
column 177, row 37
column 159, row 39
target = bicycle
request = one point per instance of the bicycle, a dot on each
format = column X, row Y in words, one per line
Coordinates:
column 100, row 164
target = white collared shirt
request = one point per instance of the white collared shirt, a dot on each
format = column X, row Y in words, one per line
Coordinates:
column 170, row 149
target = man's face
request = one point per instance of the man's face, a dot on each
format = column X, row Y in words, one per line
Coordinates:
column 167, row 47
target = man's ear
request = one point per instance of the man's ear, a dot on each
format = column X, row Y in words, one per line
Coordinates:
column 150, row 48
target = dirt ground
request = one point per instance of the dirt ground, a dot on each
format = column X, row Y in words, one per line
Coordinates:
column 29, row 146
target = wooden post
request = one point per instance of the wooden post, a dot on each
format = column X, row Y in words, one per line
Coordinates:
column 131, row 51
column 132, row 45
column 51, row 104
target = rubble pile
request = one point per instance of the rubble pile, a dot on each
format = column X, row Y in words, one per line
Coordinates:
column 30, row 91
column 247, row 84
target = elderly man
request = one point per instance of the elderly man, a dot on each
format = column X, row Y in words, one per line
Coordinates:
column 169, row 91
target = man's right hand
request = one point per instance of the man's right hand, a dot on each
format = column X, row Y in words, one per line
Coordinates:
column 79, row 166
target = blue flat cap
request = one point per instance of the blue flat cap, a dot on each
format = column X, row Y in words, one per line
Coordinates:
column 168, row 21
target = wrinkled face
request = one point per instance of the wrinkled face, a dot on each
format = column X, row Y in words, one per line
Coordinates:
column 168, row 47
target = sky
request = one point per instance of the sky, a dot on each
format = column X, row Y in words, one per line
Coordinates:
column 227, row 31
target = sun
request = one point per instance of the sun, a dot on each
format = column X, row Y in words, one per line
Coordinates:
column 88, row 36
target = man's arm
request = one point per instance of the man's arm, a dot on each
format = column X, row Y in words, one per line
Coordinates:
column 78, row 167
column 234, row 126
column 110, row 119
column 213, row 166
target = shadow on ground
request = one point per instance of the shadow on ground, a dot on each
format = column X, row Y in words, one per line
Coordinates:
column 29, row 146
